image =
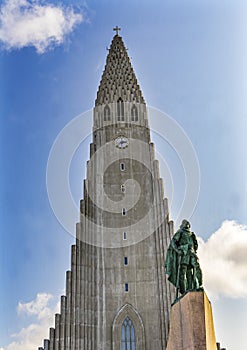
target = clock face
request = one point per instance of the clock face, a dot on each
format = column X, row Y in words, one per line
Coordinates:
column 121, row 142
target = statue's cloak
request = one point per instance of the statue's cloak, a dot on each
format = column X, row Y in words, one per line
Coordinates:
column 172, row 261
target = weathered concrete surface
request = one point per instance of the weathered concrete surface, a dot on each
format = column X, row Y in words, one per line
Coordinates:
column 191, row 324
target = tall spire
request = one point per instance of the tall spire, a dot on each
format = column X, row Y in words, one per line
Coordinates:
column 118, row 79
column 116, row 283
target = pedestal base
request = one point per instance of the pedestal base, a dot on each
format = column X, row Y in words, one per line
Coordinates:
column 191, row 324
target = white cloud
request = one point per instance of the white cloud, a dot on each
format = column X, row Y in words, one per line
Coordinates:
column 223, row 259
column 30, row 337
column 37, row 307
column 32, row 23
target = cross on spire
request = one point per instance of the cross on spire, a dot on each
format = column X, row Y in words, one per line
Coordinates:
column 117, row 29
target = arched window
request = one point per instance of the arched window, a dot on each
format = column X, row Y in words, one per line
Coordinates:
column 120, row 110
column 128, row 335
column 134, row 114
column 128, row 328
column 107, row 113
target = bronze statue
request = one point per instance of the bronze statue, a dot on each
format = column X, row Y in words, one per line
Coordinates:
column 182, row 264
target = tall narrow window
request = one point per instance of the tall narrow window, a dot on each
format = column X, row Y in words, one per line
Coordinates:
column 122, row 166
column 126, row 287
column 120, row 110
column 134, row 114
column 123, row 188
column 124, row 236
column 125, row 260
column 128, row 335
column 107, row 113
column 123, row 211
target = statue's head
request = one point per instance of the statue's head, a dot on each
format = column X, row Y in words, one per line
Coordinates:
column 185, row 224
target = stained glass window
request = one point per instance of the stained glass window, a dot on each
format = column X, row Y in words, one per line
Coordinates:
column 128, row 335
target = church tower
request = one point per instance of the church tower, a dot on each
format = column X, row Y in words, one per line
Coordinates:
column 117, row 296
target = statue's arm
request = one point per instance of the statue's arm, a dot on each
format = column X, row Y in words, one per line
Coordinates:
column 195, row 241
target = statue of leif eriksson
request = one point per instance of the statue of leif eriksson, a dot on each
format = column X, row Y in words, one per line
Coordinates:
column 182, row 264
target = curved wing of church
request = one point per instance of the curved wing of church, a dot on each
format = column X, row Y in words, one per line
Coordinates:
column 117, row 295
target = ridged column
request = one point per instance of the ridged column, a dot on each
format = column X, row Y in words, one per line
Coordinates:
column 73, row 292
column 160, row 214
column 172, row 289
column 77, row 295
column 89, row 278
column 62, row 323
column 68, row 306
column 94, row 312
column 57, row 331
column 87, row 296
column 86, row 264
column 52, row 339
column 94, row 306
column 46, row 344
column 82, row 292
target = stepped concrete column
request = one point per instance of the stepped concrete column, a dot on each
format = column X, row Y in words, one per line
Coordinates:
column 62, row 323
column 46, row 344
column 57, row 331
column 52, row 339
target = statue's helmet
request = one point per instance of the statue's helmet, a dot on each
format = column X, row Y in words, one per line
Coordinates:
column 185, row 224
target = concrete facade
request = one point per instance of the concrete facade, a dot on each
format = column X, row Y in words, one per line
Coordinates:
column 117, row 276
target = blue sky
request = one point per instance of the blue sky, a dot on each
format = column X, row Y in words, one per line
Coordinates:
column 190, row 59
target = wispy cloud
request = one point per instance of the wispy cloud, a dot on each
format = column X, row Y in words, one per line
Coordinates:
column 33, row 23
column 224, row 259
column 31, row 336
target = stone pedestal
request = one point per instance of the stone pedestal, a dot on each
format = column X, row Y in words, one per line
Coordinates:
column 191, row 324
